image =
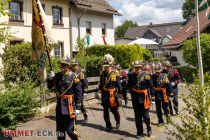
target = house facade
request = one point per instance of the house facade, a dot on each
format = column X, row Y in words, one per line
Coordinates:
column 69, row 20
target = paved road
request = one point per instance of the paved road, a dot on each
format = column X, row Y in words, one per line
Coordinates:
column 94, row 128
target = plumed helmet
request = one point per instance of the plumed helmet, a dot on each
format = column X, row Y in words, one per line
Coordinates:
column 167, row 63
column 138, row 64
column 158, row 68
column 118, row 67
column 108, row 59
column 74, row 61
column 65, row 61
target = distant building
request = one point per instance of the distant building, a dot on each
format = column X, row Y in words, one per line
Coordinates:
column 160, row 33
column 173, row 47
column 69, row 19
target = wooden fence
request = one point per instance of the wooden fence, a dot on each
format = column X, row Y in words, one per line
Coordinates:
column 47, row 98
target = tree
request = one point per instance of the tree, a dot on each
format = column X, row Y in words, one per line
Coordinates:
column 190, row 51
column 188, row 9
column 4, row 32
column 121, row 30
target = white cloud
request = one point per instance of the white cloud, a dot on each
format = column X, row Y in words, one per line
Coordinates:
column 146, row 11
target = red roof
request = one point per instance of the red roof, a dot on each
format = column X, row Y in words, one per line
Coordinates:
column 189, row 29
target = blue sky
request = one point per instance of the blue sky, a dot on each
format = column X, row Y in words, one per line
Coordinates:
column 145, row 11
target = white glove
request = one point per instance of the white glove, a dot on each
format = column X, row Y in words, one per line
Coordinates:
column 173, row 84
column 85, row 95
column 77, row 112
column 51, row 75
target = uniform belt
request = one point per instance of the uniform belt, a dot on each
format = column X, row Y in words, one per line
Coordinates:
column 70, row 105
column 111, row 98
column 147, row 102
column 165, row 97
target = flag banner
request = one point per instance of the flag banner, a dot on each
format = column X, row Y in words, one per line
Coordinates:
column 203, row 6
column 104, row 39
column 38, row 41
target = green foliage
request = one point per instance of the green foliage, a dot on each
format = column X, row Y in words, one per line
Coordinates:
column 192, row 125
column 91, row 64
column 190, row 52
column 188, row 9
column 186, row 73
column 81, row 46
column 123, row 54
column 17, row 103
column 121, row 30
column 18, row 64
column 55, row 62
column 3, row 5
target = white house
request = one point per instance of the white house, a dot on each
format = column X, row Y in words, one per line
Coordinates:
column 69, row 19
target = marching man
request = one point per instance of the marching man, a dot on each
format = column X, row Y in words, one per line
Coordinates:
column 108, row 87
column 69, row 95
column 140, row 85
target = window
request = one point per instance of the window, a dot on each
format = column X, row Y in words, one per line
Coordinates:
column 88, row 27
column 15, row 10
column 14, row 42
column 43, row 6
column 57, row 15
column 59, row 50
column 103, row 29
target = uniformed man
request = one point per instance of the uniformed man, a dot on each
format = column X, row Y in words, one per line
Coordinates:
column 123, row 79
column 162, row 91
column 174, row 79
column 140, row 84
column 82, row 79
column 69, row 95
column 109, row 84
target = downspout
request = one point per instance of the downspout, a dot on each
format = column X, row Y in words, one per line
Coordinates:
column 78, row 21
column 70, row 30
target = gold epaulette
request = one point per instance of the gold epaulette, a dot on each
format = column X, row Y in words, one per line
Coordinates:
column 147, row 77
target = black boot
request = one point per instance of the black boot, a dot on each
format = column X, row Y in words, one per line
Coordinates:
column 108, row 128
column 85, row 117
column 117, row 125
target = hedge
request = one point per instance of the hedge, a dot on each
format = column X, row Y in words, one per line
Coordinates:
column 123, row 54
column 187, row 73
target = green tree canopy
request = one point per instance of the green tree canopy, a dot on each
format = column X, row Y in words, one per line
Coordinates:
column 121, row 30
column 190, row 51
column 188, row 9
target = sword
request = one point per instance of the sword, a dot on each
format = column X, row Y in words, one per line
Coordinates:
column 91, row 109
column 124, row 112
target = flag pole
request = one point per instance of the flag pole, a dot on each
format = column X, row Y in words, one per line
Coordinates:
column 200, row 61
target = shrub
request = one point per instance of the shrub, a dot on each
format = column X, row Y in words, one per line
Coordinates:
column 91, row 63
column 123, row 54
column 17, row 103
column 18, row 64
column 192, row 125
column 187, row 73
column 190, row 51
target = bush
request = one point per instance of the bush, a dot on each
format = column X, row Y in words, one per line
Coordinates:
column 19, row 66
column 55, row 62
column 190, row 52
column 187, row 73
column 192, row 125
column 17, row 103
column 123, row 54
column 91, row 63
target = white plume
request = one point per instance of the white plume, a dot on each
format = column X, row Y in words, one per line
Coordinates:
column 108, row 58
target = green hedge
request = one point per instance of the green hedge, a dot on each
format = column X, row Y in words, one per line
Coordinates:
column 19, row 66
column 91, row 64
column 17, row 103
column 187, row 73
column 123, row 54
